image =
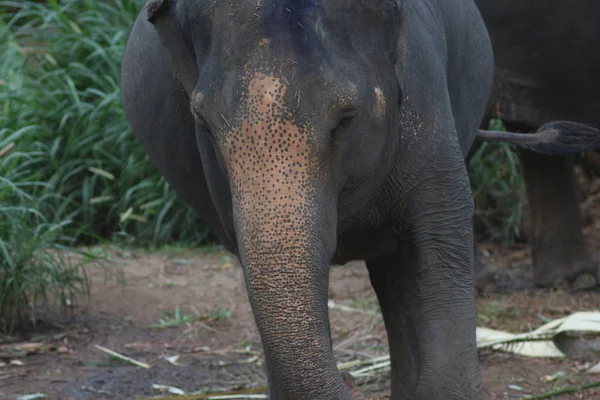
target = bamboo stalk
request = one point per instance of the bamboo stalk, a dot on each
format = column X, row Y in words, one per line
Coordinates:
column 375, row 367
column 240, row 396
column 234, row 394
column 122, row 357
column 357, row 363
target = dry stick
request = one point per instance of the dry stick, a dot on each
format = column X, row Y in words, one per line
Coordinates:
column 259, row 389
column 122, row 357
column 570, row 389
column 240, row 396
column 6, row 150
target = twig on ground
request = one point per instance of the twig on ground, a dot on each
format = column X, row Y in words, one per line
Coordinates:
column 570, row 389
column 240, row 396
column 246, row 361
column 122, row 357
column 350, row 364
column 7, row 149
column 234, row 394
column 364, row 371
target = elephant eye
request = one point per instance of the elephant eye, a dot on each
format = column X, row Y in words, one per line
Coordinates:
column 201, row 124
column 345, row 121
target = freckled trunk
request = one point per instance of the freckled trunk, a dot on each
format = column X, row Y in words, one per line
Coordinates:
column 285, row 224
column 287, row 271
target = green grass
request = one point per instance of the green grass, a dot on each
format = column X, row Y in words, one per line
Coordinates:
column 36, row 263
column 59, row 106
column 60, row 102
column 498, row 191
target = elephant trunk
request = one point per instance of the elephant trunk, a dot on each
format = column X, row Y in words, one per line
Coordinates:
column 285, row 254
column 288, row 292
column 285, row 221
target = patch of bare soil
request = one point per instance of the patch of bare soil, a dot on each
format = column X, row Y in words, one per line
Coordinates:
column 186, row 315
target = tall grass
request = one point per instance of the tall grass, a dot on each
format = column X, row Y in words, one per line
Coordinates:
column 60, row 101
column 75, row 171
column 36, row 262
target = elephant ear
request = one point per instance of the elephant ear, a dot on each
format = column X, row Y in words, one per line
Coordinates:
column 157, row 8
column 162, row 14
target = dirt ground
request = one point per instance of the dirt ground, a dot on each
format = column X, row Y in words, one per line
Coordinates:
column 186, row 314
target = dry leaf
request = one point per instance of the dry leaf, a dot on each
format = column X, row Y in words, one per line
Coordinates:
column 172, row 359
column 594, row 370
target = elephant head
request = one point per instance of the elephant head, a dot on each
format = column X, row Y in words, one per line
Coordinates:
column 295, row 105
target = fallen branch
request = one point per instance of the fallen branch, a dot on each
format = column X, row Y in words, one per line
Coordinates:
column 6, row 150
column 357, row 363
column 122, row 357
column 570, row 389
column 376, row 367
column 246, row 361
column 240, row 396
column 234, row 394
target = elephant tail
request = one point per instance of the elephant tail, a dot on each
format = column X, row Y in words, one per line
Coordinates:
column 552, row 138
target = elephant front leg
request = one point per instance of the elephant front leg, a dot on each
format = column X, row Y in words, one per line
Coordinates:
column 427, row 299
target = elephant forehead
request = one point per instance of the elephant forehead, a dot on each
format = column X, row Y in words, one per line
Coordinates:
column 267, row 92
column 293, row 21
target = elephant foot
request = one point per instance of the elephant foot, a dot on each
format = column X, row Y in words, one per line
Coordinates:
column 583, row 275
column 580, row 275
column 512, row 286
column 349, row 382
column 525, row 285
column 582, row 282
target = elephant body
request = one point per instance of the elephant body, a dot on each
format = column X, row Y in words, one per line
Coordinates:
column 546, row 60
column 546, row 68
column 307, row 133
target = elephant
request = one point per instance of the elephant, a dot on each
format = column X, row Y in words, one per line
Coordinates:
column 304, row 144
column 546, row 68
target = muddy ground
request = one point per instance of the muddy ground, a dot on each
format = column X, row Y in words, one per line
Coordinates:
column 186, row 314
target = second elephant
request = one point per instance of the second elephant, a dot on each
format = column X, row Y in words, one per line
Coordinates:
column 546, row 68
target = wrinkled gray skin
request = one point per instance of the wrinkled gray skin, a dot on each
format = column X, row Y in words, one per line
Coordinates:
column 303, row 144
column 546, row 68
